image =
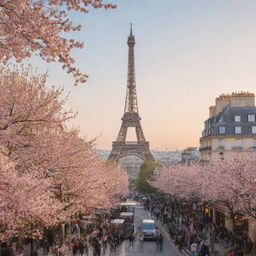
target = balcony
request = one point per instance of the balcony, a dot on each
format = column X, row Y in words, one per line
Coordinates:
column 205, row 148
column 220, row 148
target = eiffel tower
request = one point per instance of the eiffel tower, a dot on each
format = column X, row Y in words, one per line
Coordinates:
column 131, row 118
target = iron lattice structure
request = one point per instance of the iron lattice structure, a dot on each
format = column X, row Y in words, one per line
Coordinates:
column 131, row 118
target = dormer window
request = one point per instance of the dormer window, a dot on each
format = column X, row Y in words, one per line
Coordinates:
column 251, row 118
column 237, row 119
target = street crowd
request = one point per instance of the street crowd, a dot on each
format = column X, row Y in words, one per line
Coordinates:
column 98, row 235
column 192, row 231
column 95, row 235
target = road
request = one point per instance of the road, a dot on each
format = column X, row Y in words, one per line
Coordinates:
column 149, row 248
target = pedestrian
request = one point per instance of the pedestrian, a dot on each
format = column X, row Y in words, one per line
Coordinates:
column 75, row 247
column 105, row 243
column 86, row 247
column 82, row 247
column 157, row 241
column 204, row 251
column 161, row 241
column 194, row 249
column 231, row 253
column 64, row 249
column 97, row 248
column 141, row 242
column 131, row 239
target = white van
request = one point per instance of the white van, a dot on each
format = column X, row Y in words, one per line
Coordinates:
column 148, row 228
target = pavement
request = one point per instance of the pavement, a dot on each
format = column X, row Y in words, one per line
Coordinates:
column 219, row 248
column 149, row 247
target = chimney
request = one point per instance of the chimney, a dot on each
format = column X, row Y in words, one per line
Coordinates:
column 221, row 102
column 212, row 111
column 242, row 99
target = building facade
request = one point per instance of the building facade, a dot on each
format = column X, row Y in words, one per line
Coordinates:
column 189, row 155
column 231, row 125
column 131, row 165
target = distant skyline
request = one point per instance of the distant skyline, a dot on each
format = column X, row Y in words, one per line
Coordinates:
column 187, row 53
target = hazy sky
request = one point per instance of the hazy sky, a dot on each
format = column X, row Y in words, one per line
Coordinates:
column 187, row 53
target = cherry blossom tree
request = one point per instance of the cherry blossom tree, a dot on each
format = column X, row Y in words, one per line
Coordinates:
column 182, row 181
column 230, row 181
column 56, row 173
column 30, row 116
column 82, row 179
column 39, row 26
column 26, row 203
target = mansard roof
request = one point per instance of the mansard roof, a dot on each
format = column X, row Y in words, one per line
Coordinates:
column 227, row 118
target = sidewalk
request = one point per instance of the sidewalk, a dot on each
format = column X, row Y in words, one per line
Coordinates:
column 219, row 248
column 90, row 253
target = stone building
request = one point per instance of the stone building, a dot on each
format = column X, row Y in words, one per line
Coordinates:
column 231, row 125
column 189, row 155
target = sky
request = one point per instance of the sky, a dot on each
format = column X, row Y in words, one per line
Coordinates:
column 187, row 53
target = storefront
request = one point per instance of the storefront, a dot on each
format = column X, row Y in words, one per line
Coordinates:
column 241, row 226
column 220, row 215
column 208, row 213
column 219, row 219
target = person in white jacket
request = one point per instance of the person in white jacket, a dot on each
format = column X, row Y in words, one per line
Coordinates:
column 193, row 248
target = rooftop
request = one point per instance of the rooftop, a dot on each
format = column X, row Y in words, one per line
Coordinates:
column 148, row 221
column 117, row 221
column 226, row 118
column 126, row 214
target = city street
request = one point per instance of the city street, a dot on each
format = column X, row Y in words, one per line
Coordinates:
column 149, row 248
column 155, row 155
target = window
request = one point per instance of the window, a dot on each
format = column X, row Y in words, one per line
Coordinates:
column 222, row 129
column 254, row 129
column 251, row 118
column 238, row 143
column 221, row 143
column 237, row 118
column 238, row 129
column 148, row 226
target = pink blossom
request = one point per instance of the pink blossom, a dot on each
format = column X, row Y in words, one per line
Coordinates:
column 37, row 26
